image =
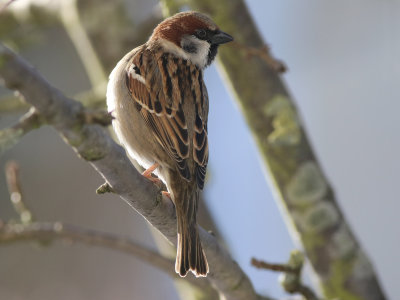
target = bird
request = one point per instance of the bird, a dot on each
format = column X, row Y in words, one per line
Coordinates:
column 159, row 103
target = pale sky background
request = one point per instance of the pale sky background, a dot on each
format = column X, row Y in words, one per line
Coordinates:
column 344, row 69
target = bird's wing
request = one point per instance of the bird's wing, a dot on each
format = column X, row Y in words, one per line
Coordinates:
column 164, row 115
column 156, row 86
column 200, row 139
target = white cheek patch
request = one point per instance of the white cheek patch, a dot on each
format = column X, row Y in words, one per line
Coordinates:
column 199, row 57
column 199, row 49
column 134, row 73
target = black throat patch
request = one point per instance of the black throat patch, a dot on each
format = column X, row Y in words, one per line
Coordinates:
column 212, row 53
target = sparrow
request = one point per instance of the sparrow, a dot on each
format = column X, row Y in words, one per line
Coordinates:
column 159, row 102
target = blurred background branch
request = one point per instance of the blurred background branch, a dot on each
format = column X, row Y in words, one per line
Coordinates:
column 10, row 136
column 291, row 278
column 99, row 47
column 49, row 231
column 45, row 232
column 73, row 26
column 15, row 191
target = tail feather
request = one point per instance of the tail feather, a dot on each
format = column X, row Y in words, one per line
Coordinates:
column 190, row 255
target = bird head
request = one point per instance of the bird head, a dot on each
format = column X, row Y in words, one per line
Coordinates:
column 192, row 36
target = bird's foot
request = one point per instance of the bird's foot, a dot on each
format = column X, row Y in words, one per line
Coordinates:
column 147, row 174
column 167, row 194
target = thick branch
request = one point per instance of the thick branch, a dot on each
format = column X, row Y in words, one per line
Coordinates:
column 93, row 144
column 314, row 216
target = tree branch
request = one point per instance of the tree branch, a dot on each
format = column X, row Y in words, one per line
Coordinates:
column 92, row 143
column 291, row 280
column 45, row 231
column 260, row 264
column 10, row 136
column 14, row 189
column 89, row 59
column 12, row 104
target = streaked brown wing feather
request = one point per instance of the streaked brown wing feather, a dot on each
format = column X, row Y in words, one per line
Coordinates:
column 200, row 139
column 160, row 98
column 160, row 108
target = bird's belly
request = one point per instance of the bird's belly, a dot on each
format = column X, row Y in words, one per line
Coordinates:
column 133, row 147
column 135, row 138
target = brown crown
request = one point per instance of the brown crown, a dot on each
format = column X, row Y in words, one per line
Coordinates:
column 173, row 28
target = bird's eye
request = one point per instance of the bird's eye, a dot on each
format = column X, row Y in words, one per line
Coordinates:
column 201, row 34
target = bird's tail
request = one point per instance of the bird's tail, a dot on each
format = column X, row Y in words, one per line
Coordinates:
column 190, row 254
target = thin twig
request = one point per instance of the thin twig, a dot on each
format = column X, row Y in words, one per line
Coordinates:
column 273, row 267
column 291, row 280
column 29, row 121
column 14, row 188
column 10, row 136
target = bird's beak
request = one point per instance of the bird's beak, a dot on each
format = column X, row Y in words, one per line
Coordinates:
column 221, row 38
